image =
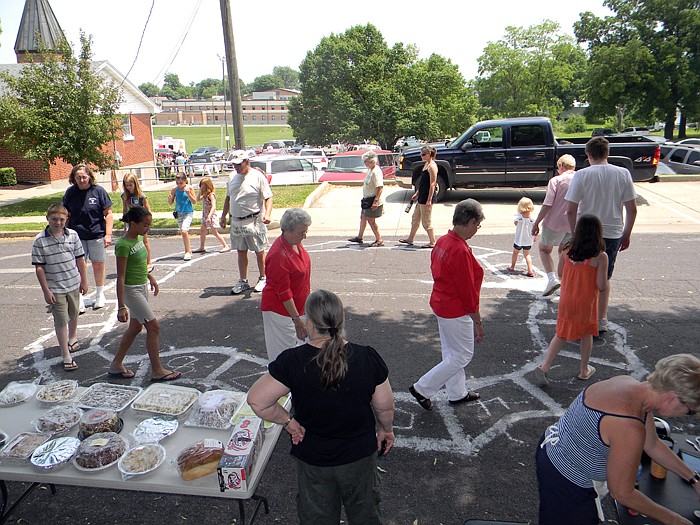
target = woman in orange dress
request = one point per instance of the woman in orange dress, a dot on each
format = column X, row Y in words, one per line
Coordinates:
column 583, row 272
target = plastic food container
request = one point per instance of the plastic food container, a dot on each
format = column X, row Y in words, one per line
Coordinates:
column 16, row 392
column 58, row 391
column 99, row 420
column 153, row 430
column 141, row 460
column 214, row 409
column 55, row 453
column 58, row 420
column 169, row 400
column 99, row 451
column 23, row 445
column 106, row 395
column 3, row 438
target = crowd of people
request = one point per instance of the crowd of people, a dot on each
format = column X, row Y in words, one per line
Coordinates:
column 600, row 437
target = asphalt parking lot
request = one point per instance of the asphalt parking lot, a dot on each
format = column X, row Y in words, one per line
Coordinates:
column 455, row 463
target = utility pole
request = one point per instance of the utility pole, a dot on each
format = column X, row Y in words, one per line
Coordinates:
column 233, row 82
column 223, row 88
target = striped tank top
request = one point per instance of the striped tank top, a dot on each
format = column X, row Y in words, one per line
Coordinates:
column 574, row 445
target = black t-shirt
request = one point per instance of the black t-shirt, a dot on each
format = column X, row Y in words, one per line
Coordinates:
column 339, row 422
column 87, row 211
column 423, row 187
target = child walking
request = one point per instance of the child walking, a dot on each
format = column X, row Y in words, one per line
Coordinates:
column 583, row 269
column 132, row 298
column 59, row 262
column 183, row 197
column 133, row 196
column 523, row 235
column 210, row 219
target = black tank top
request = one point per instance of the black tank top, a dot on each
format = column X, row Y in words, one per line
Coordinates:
column 424, row 186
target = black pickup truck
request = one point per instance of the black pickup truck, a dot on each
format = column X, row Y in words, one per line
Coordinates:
column 518, row 152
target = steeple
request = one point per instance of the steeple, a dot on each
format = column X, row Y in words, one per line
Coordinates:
column 37, row 19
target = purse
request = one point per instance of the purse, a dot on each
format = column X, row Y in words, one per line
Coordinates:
column 367, row 202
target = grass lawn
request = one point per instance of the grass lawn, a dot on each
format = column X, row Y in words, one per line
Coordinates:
column 196, row 136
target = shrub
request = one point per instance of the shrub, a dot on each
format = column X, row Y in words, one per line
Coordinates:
column 8, row 177
column 575, row 124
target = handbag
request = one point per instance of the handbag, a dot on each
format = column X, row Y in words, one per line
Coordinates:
column 367, row 202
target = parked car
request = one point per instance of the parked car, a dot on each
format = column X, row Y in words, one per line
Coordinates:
column 315, row 155
column 406, row 142
column 206, row 152
column 602, row 132
column 274, row 144
column 693, row 143
column 220, row 153
column 203, row 166
column 641, row 130
column 365, row 147
column 684, row 160
column 349, row 166
column 286, row 169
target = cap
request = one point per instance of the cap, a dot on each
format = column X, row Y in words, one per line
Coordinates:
column 239, row 157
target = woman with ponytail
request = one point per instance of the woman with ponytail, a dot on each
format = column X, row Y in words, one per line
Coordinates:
column 340, row 394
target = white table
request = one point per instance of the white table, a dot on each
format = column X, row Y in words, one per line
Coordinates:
column 166, row 479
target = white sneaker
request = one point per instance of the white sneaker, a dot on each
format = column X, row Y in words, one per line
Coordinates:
column 240, row 287
column 100, row 302
column 602, row 325
column 187, row 256
column 81, row 308
column 260, row 285
column 552, row 286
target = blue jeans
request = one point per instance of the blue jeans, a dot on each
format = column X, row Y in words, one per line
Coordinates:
column 612, row 247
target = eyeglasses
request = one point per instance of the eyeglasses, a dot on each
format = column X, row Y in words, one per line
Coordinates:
column 691, row 412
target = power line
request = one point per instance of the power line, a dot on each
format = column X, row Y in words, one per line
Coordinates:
column 138, row 49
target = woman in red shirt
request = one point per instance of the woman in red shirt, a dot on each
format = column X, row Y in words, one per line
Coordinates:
column 457, row 278
column 288, row 269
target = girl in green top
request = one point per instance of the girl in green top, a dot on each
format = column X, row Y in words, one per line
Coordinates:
column 132, row 297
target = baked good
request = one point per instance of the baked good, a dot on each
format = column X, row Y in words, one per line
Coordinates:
column 99, row 451
column 98, row 420
column 59, row 419
column 214, row 409
column 200, row 458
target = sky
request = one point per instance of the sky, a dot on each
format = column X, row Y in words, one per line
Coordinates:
column 186, row 36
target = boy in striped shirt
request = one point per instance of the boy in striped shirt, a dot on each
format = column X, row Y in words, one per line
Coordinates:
column 58, row 257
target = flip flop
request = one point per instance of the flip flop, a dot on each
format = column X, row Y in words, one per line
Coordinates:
column 123, row 374
column 377, row 244
column 591, row 371
column 530, row 274
column 356, row 239
column 225, row 250
column 69, row 367
column 199, row 251
column 422, row 400
column 431, row 246
column 404, row 241
column 471, row 396
column 72, row 347
column 542, row 376
column 170, row 376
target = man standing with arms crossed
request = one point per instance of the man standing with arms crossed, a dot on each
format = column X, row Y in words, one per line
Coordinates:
column 604, row 190
column 249, row 198
column 555, row 225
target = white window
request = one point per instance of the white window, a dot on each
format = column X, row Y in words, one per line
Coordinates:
column 126, row 128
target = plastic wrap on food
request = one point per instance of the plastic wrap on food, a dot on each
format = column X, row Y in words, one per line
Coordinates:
column 99, row 451
column 21, row 447
column 200, row 458
column 169, row 400
column 98, row 420
column 141, row 460
column 214, row 409
column 58, row 391
column 55, row 453
column 3, row 438
column 106, row 395
column 58, row 420
column 153, row 430
column 16, row 392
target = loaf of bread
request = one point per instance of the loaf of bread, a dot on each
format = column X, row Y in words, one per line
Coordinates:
column 199, row 459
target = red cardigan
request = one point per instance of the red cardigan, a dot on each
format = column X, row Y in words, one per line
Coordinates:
column 288, row 277
column 457, row 278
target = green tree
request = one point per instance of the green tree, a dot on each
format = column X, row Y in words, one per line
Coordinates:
column 60, row 108
column 289, row 77
column 530, row 71
column 354, row 87
column 174, row 89
column 666, row 32
column 149, row 89
column 265, row 82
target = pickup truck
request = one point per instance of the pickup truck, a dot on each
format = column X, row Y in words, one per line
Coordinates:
column 518, row 152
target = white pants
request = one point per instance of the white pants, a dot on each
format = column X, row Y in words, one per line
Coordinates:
column 280, row 334
column 457, row 340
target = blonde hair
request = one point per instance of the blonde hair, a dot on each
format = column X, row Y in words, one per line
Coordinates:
column 525, row 204
column 679, row 373
column 568, row 161
column 207, row 186
column 130, row 177
column 56, row 209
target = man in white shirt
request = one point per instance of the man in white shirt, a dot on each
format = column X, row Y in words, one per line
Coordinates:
column 249, row 198
column 604, row 190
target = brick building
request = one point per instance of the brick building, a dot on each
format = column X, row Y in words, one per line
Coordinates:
column 135, row 140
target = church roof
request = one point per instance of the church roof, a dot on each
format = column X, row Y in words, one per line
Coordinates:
column 38, row 17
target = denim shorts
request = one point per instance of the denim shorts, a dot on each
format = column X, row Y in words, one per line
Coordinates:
column 516, row 247
column 612, row 247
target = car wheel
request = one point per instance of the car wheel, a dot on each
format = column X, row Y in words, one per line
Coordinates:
column 440, row 190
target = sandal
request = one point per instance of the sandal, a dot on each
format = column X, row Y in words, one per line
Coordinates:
column 356, row 239
column 422, row 400
column 510, row 269
column 199, row 250
column 225, row 250
column 170, row 376
column 471, row 396
column 405, row 241
column 590, row 370
column 377, row 244
column 530, row 274
column 70, row 366
column 431, row 246
column 123, row 374
column 72, row 347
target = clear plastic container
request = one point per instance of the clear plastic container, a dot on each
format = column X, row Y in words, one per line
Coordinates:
column 98, row 420
column 16, row 392
column 169, row 400
column 58, row 392
column 23, row 445
column 215, row 409
column 59, row 420
column 106, row 395
column 141, row 460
